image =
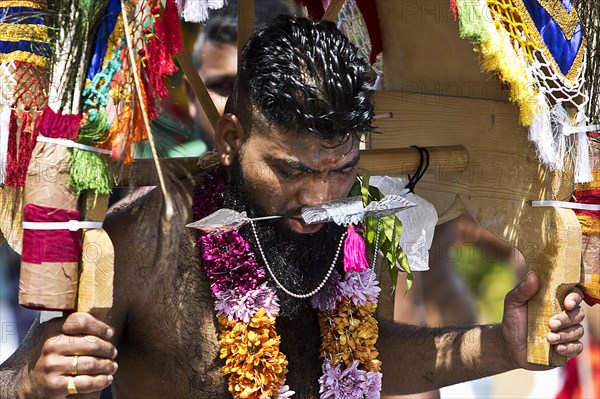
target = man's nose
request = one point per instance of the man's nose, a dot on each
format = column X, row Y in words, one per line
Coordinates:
column 318, row 190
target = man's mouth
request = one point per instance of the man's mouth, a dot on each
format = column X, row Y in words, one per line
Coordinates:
column 297, row 225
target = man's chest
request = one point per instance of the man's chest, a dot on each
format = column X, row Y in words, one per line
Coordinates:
column 176, row 338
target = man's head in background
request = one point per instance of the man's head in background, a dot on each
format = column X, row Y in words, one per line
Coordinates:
column 215, row 58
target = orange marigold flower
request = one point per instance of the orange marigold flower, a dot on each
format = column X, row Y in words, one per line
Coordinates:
column 256, row 366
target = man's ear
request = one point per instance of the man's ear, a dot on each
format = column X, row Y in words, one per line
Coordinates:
column 229, row 136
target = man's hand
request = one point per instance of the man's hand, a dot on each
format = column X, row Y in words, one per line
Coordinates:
column 566, row 328
column 79, row 335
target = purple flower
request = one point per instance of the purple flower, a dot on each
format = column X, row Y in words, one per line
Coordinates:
column 285, row 392
column 229, row 263
column 329, row 296
column 242, row 306
column 352, row 288
column 351, row 383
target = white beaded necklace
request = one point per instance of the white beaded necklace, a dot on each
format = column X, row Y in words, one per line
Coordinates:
column 333, row 263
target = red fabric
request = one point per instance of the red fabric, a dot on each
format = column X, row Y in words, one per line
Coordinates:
column 58, row 125
column 50, row 245
column 172, row 28
column 368, row 10
column 18, row 156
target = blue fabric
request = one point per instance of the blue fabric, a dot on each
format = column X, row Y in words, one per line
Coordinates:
column 106, row 27
column 41, row 49
column 563, row 50
column 22, row 15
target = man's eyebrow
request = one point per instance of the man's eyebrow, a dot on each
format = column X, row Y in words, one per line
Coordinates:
column 293, row 164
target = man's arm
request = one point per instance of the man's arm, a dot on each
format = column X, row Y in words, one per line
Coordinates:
column 417, row 359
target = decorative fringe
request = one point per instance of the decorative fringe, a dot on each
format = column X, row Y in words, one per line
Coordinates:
column 197, row 11
column 22, row 135
column 5, row 117
column 499, row 56
column 583, row 169
column 11, row 216
column 540, row 132
column 354, row 252
column 173, row 39
column 89, row 170
column 471, row 21
column 159, row 54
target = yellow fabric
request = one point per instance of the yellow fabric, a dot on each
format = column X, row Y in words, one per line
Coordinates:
column 589, row 225
column 30, row 4
column 594, row 184
column 24, row 56
column 25, row 32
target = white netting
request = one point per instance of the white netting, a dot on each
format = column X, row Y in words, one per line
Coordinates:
column 556, row 96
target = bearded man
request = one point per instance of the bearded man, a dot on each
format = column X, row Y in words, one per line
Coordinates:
column 249, row 313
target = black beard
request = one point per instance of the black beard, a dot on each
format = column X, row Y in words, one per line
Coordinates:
column 299, row 261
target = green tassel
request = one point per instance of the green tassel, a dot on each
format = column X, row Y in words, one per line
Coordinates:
column 471, row 23
column 89, row 170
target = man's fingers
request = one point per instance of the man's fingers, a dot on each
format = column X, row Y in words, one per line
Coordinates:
column 566, row 335
column 89, row 365
column 81, row 323
column 566, row 319
column 86, row 383
column 569, row 350
column 573, row 299
column 522, row 292
column 88, row 345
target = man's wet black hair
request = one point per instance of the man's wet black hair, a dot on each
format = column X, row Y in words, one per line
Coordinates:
column 303, row 76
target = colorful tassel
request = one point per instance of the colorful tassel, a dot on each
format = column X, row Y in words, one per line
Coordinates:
column 172, row 27
column 22, row 135
column 89, row 170
column 470, row 20
column 354, row 252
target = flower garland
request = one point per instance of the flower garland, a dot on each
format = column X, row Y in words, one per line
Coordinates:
column 246, row 308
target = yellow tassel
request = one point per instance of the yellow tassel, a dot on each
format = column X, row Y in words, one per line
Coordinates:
column 500, row 56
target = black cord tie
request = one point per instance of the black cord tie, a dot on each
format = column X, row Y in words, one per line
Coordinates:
column 421, row 169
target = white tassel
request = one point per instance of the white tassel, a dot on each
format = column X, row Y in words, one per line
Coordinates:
column 583, row 170
column 4, row 130
column 197, row 10
column 559, row 118
column 540, row 132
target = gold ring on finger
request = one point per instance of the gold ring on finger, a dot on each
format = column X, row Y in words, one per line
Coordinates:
column 71, row 386
column 74, row 365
